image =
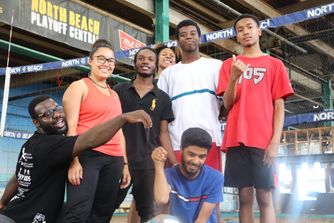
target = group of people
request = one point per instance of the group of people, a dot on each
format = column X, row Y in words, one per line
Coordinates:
column 160, row 136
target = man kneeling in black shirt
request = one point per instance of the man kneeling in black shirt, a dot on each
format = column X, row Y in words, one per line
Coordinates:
column 36, row 192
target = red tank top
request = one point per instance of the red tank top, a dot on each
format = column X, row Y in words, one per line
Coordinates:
column 97, row 108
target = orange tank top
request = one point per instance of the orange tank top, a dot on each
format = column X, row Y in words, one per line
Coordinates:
column 97, row 108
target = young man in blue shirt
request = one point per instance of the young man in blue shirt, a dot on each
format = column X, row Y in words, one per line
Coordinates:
column 192, row 189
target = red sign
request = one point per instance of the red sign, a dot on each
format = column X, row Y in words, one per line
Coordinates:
column 127, row 42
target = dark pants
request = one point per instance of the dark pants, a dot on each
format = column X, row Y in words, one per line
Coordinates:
column 142, row 191
column 93, row 200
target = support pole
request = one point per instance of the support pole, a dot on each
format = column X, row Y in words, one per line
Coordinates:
column 7, row 83
column 327, row 98
column 161, row 21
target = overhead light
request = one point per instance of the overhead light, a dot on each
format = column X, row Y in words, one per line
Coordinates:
column 315, row 106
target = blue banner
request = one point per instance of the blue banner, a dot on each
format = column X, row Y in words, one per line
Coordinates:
column 46, row 66
column 209, row 37
column 323, row 116
column 17, row 134
column 275, row 22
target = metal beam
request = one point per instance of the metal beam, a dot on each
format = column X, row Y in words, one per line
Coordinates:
column 32, row 78
column 146, row 7
column 308, row 99
column 304, row 72
column 299, row 100
column 327, row 95
column 236, row 13
column 203, row 10
column 48, row 58
column 301, row 5
column 28, row 52
column 46, row 44
column 200, row 12
column 264, row 9
column 304, row 81
column 161, row 21
column 312, row 36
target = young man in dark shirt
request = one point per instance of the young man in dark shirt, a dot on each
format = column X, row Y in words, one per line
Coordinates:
column 36, row 192
column 142, row 93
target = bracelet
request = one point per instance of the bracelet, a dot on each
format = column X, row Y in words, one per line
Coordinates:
column 125, row 163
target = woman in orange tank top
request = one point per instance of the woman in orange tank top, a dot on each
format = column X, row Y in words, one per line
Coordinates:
column 94, row 176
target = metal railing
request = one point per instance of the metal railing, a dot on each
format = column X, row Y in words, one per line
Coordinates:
column 307, row 141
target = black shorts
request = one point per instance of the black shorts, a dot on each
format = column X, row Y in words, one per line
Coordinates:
column 244, row 167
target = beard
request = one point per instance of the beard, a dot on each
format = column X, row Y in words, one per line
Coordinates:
column 189, row 174
column 145, row 75
column 49, row 129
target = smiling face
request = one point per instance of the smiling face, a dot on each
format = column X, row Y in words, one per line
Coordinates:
column 188, row 39
column 167, row 58
column 193, row 158
column 248, row 32
column 145, row 63
column 51, row 118
column 102, row 63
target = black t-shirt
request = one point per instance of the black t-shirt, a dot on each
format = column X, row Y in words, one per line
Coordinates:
column 159, row 106
column 41, row 174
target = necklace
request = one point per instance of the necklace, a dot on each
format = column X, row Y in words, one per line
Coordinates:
column 104, row 87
